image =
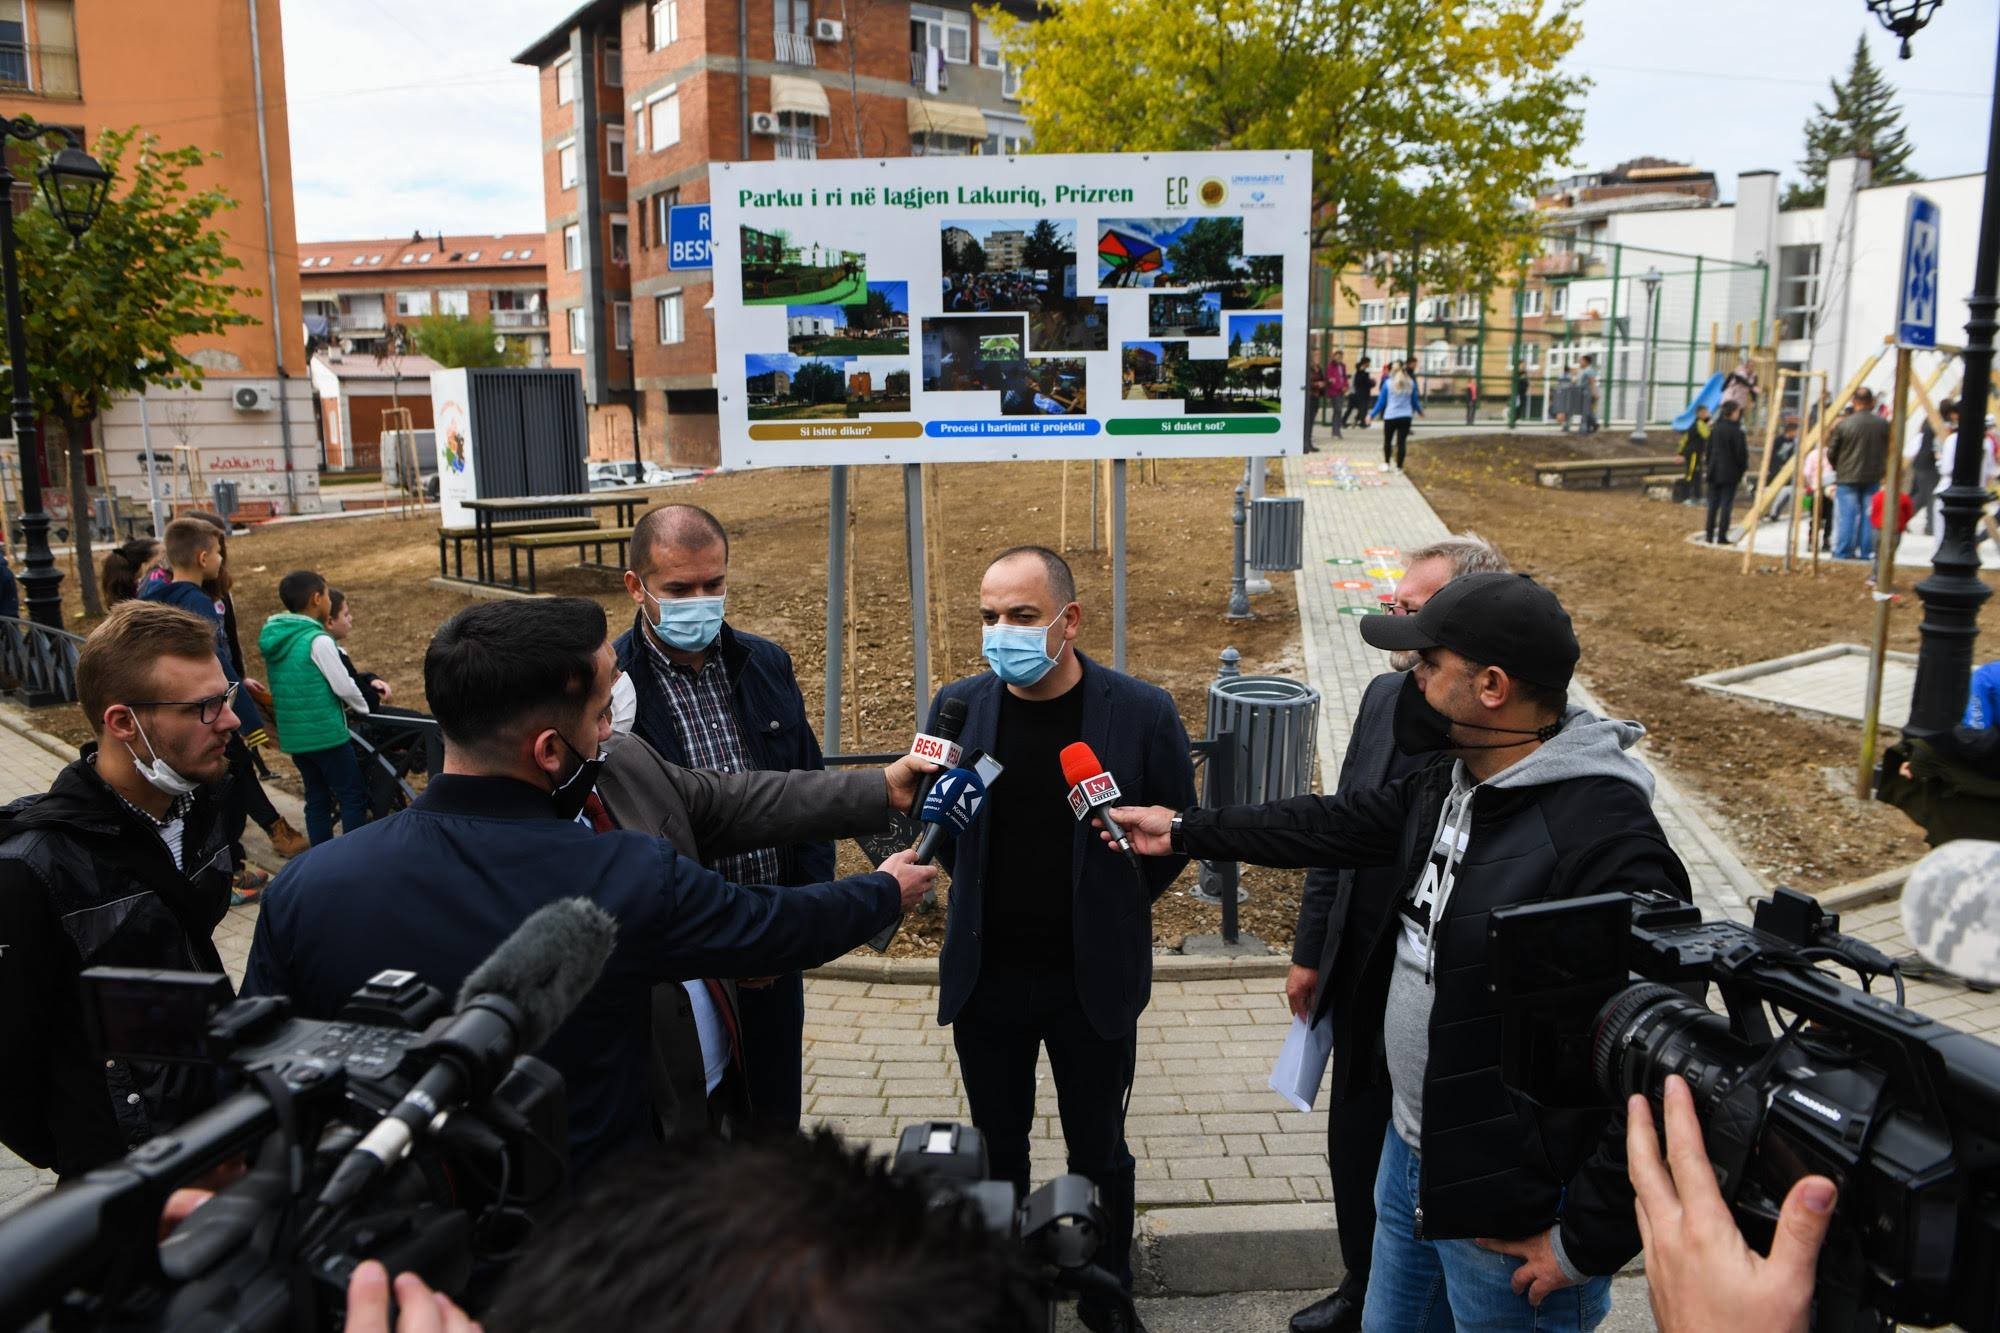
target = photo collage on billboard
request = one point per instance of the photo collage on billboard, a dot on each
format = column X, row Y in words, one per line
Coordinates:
column 1089, row 306
column 836, row 321
column 1197, row 279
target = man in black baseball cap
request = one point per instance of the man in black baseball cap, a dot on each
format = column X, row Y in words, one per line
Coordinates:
column 1509, row 1215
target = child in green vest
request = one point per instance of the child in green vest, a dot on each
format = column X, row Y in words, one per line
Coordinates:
column 313, row 694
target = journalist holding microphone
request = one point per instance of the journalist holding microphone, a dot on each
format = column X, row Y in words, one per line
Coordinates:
column 1490, row 1212
column 1049, row 941
column 522, row 692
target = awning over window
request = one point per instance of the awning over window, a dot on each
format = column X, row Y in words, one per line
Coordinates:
column 928, row 117
column 800, row 96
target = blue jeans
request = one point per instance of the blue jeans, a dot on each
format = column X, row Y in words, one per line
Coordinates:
column 1432, row 1286
column 1853, row 539
column 332, row 775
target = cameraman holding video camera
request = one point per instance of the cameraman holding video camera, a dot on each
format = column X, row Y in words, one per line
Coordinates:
column 522, row 692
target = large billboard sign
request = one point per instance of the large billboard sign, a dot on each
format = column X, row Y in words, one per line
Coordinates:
column 966, row 309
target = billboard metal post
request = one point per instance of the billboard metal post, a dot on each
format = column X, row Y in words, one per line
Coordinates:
column 836, row 603
column 920, row 630
column 1117, row 564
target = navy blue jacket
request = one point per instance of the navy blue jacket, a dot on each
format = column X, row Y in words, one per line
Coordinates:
column 770, row 712
column 1136, row 733
column 189, row 597
column 436, row 887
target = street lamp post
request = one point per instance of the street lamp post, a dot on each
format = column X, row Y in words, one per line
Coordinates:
column 1651, row 278
column 1953, row 594
column 74, row 184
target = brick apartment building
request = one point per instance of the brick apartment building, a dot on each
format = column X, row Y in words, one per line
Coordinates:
column 639, row 96
column 352, row 291
column 1459, row 337
column 189, row 71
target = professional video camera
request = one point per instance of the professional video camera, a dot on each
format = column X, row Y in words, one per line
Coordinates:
column 399, row 1131
column 1900, row 1111
column 1059, row 1227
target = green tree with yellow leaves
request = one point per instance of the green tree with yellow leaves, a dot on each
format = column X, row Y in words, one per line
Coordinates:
column 116, row 310
column 1428, row 124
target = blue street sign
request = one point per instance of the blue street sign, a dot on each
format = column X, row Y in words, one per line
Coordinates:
column 1916, row 298
column 687, row 236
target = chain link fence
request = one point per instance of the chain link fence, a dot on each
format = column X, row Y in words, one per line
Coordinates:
column 1656, row 323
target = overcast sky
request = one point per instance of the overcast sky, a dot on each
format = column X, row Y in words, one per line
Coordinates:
column 408, row 116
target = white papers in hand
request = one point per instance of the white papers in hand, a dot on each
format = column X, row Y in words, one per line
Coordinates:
column 1302, row 1063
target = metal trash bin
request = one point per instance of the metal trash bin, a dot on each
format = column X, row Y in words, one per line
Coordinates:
column 1278, row 532
column 1274, row 721
column 104, row 518
column 225, row 499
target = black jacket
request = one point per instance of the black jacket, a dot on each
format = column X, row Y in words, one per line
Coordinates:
column 86, row 882
column 770, row 712
column 1136, row 733
column 1323, row 907
column 436, row 887
column 1728, row 453
column 1493, row 1164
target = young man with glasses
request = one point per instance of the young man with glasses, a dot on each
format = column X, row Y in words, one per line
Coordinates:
column 124, row 862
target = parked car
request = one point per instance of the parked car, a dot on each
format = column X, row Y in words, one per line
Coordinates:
column 605, row 476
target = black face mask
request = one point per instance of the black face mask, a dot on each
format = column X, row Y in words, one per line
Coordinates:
column 573, row 792
column 1421, row 729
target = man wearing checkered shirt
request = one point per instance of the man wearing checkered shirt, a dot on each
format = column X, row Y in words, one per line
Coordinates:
column 710, row 696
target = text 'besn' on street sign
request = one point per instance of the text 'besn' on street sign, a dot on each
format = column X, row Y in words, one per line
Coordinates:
column 1917, row 297
column 687, row 236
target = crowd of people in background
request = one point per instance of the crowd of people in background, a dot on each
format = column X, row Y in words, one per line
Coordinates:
column 190, row 569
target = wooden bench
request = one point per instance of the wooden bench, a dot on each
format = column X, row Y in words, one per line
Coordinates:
column 463, row 533
column 541, row 541
column 1660, row 485
column 1603, row 472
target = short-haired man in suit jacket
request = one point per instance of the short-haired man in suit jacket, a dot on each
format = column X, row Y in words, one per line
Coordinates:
column 1320, row 976
column 1050, row 936
column 708, row 695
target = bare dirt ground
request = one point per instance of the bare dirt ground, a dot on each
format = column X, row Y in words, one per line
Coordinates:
column 1652, row 610
column 1179, row 543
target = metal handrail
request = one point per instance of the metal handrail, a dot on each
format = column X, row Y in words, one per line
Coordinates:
column 39, row 660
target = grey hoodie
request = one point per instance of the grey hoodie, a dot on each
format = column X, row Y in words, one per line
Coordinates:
column 1588, row 746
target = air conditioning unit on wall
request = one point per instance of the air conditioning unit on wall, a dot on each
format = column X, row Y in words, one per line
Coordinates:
column 253, row 398
column 828, row 30
column 764, row 122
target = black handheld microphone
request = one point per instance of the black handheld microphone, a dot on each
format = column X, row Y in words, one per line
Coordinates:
column 509, row 1005
column 953, row 803
column 939, row 747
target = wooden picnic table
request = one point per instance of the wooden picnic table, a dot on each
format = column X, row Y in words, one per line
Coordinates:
column 627, row 500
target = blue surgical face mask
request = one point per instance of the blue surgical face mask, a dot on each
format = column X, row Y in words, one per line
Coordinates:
column 688, row 624
column 1019, row 654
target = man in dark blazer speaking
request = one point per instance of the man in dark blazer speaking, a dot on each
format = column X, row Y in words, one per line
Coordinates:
column 1322, row 973
column 1049, row 941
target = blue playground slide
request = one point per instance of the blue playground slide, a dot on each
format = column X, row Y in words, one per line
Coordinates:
column 1709, row 397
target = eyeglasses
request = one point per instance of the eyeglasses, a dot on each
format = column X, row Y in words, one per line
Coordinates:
column 207, row 709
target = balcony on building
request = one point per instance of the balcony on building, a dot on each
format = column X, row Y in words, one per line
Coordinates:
column 802, row 110
column 519, row 310
column 919, row 66
column 1559, row 264
column 37, row 70
column 793, row 48
column 359, row 317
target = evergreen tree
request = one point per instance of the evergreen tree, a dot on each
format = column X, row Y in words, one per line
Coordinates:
column 1863, row 119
